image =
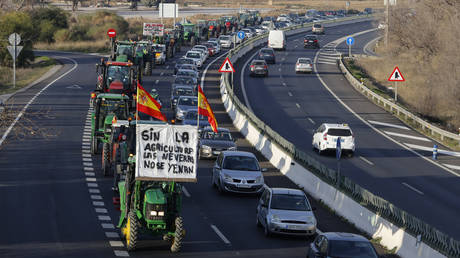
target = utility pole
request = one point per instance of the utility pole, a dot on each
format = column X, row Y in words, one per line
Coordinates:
column 387, row 21
column 162, row 8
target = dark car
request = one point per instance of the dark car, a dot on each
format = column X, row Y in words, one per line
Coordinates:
column 336, row 244
column 211, row 144
column 267, row 54
column 180, row 90
column 310, row 41
column 258, row 67
column 182, row 61
column 191, row 118
column 186, row 80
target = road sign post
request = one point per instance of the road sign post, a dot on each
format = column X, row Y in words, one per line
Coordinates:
column 227, row 67
column 350, row 42
column 338, row 154
column 14, row 50
column 396, row 76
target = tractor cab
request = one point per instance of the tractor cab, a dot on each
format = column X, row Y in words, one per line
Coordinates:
column 159, row 51
column 124, row 51
column 145, row 56
column 116, row 77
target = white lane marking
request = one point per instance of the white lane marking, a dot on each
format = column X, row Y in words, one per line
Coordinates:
column 290, row 94
column 98, row 203
column 366, row 160
column 112, row 234
column 100, row 210
column 91, row 190
column 161, row 74
column 366, row 47
column 116, row 243
column 88, row 168
column 297, row 104
column 311, row 120
column 388, row 125
column 88, row 164
column 157, row 81
column 103, row 217
column 85, row 144
column 207, row 67
column 87, row 159
column 220, row 234
column 92, row 184
column 167, row 67
column 107, row 225
column 86, row 138
column 369, row 123
column 284, row 84
column 329, row 63
column 90, row 174
column 327, row 59
column 279, row 69
column 86, row 155
column 408, row 136
column 330, row 54
column 121, row 253
column 430, row 149
column 243, row 86
column 452, row 166
column 184, row 190
column 91, row 179
column 412, row 188
column 96, row 197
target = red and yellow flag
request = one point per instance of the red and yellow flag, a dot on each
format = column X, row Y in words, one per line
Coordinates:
column 205, row 109
column 148, row 105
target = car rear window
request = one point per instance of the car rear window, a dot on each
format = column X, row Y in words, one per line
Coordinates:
column 241, row 163
column 305, row 61
column 317, row 26
column 266, row 51
column 289, row 202
column 339, row 132
column 310, row 37
column 351, row 249
column 258, row 63
column 183, row 92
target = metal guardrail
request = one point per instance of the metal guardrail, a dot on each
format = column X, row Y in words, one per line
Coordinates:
column 395, row 108
column 411, row 224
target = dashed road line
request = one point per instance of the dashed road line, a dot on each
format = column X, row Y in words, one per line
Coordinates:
column 412, row 188
column 156, row 81
column 107, row 225
column 88, row 164
column 121, row 253
column 220, row 234
column 96, row 197
column 161, row 74
column 311, row 120
column 116, row 243
column 92, row 184
column 329, row 63
column 366, row 160
column 100, row 210
column 104, row 218
column 112, row 234
column 184, row 190
column 430, row 149
column 290, row 94
column 88, row 168
column 284, row 84
column 298, row 105
column 91, row 179
column 388, row 125
column 94, row 190
column 408, row 136
column 95, row 203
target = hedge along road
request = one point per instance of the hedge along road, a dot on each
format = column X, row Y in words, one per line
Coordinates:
column 299, row 103
column 49, row 201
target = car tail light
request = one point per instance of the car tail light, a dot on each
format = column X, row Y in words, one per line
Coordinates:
column 315, row 40
column 252, row 66
column 265, row 67
column 325, row 136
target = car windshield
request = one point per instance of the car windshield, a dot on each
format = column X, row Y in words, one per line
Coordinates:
column 186, row 73
column 124, row 50
column 188, row 28
column 113, row 106
column 289, row 202
column 184, row 80
column 339, row 132
column 266, row 51
column 118, row 73
column 351, row 249
column 187, row 66
column 241, row 163
column 225, row 38
column 185, row 61
column 310, row 37
column 157, row 49
column 258, row 63
column 183, row 92
column 192, row 115
column 219, row 136
column 188, row 102
column 193, row 55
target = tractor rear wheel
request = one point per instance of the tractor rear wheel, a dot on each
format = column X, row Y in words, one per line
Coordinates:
column 179, row 235
column 105, row 159
column 131, row 231
column 148, row 68
column 94, row 145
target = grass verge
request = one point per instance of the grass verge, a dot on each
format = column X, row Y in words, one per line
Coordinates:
column 24, row 76
column 98, row 46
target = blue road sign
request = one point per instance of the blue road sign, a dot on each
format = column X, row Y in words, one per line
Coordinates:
column 338, row 149
column 350, row 41
column 241, row 34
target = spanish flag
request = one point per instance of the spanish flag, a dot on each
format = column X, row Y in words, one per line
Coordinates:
column 148, row 105
column 205, row 109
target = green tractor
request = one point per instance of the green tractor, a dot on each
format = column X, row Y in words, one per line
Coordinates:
column 191, row 34
column 203, row 30
column 125, row 51
column 149, row 207
column 144, row 53
column 108, row 107
column 214, row 28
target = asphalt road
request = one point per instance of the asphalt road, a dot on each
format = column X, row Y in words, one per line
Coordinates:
column 389, row 159
column 56, row 203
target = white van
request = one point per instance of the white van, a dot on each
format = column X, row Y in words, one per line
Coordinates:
column 277, row 39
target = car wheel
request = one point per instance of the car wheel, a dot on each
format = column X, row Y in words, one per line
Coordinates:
column 258, row 224
column 267, row 232
column 350, row 154
column 220, row 188
column 213, row 183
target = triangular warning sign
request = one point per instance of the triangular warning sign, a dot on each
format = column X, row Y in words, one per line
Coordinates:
column 396, row 76
column 227, row 67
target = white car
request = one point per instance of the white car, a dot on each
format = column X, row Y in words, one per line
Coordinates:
column 205, row 50
column 225, row 41
column 325, row 138
column 160, row 53
column 216, row 45
column 204, row 54
column 304, row 65
column 248, row 33
column 196, row 56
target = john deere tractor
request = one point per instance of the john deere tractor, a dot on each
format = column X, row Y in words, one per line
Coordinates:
column 144, row 52
column 107, row 108
column 149, row 207
column 214, row 28
column 191, row 34
column 125, row 51
column 230, row 24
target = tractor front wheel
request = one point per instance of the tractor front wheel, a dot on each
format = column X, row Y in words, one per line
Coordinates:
column 94, row 145
column 131, row 231
column 105, row 159
column 179, row 235
column 148, row 68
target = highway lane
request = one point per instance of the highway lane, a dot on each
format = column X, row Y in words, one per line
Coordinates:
column 294, row 105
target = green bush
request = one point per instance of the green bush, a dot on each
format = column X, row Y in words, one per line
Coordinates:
column 62, row 35
column 97, row 24
column 48, row 21
column 21, row 23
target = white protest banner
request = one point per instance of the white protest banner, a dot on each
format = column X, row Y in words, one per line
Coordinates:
column 153, row 29
column 166, row 152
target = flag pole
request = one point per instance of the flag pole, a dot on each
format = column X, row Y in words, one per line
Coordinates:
column 198, row 109
column 137, row 102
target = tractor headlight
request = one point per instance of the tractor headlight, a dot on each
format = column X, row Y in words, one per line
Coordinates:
column 108, row 130
column 161, row 213
column 153, row 213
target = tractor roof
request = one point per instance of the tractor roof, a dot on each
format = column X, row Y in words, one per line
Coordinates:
column 112, row 96
column 125, row 42
column 188, row 24
column 119, row 63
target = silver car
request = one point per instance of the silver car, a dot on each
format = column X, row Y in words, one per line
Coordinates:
column 285, row 211
column 187, row 73
column 211, row 144
column 238, row 172
column 304, row 65
column 184, row 104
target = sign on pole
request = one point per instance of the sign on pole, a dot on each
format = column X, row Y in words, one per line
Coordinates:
column 166, row 152
column 153, row 29
column 392, row 2
column 241, row 34
column 350, row 41
column 14, row 39
column 338, row 149
column 227, row 67
column 168, row 10
column 12, row 51
column 111, row 33
column 396, row 76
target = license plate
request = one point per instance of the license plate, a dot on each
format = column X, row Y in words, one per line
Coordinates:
column 216, row 152
column 341, row 140
column 291, row 227
column 243, row 186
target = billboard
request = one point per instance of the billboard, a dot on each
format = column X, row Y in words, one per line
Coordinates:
column 166, row 152
column 153, row 29
column 168, row 10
